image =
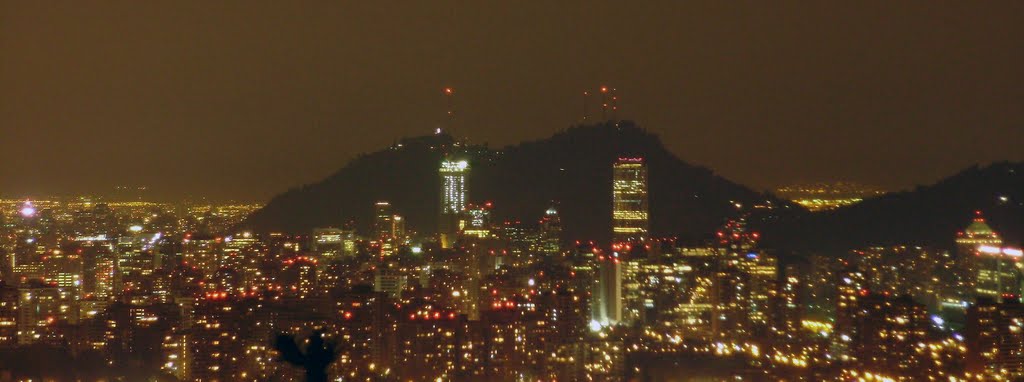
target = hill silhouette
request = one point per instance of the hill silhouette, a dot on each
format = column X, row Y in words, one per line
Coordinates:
column 926, row 216
column 572, row 169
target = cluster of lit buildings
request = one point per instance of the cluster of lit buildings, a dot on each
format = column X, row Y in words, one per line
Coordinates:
column 827, row 196
column 500, row 300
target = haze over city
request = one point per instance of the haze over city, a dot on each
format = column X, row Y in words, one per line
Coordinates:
column 243, row 100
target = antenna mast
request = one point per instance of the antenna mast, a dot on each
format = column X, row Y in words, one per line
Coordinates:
column 586, row 111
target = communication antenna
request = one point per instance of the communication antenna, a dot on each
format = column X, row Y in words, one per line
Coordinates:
column 449, row 95
column 604, row 102
column 615, row 105
column 586, row 110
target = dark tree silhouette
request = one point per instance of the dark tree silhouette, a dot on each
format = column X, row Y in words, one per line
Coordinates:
column 318, row 356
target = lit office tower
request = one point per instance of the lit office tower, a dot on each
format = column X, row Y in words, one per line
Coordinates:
column 730, row 303
column 454, row 191
column 398, row 227
column 551, row 233
column 333, row 243
column 629, row 200
column 977, row 234
column 997, row 273
column 762, row 271
column 382, row 220
column 607, row 305
column 990, row 272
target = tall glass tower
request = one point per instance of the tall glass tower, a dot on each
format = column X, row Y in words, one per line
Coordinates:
column 454, row 193
column 629, row 200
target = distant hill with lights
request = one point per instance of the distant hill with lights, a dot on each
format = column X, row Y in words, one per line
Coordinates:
column 927, row 215
column 572, row 169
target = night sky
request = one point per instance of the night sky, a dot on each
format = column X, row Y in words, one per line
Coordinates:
column 245, row 99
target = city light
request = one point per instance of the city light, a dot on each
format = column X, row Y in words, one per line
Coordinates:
column 28, row 210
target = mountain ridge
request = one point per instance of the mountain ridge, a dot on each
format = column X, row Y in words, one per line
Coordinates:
column 572, row 169
column 928, row 215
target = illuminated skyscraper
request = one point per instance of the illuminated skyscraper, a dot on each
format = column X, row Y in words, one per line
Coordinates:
column 629, row 200
column 992, row 273
column 454, row 193
column 977, row 234
column 998, row 273
column 762, row 271
column 551, row 233
column 476, row 221
column 397, row 227
column 730, row 303
column 606, row 306
column 383, row 220
column 333, row 243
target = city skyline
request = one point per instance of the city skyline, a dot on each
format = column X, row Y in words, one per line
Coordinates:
column 478, row 297
column 247, row 101
column 454, row 191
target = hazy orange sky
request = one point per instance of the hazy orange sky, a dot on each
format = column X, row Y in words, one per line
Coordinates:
column 246, row 99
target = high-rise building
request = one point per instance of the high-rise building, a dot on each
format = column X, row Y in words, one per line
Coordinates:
column 607, row 303
column 383, row 220
column 398, row 227
column 428, row 342
column 652, row 290
column 476, row 221
column 887, row 334
column 995, row 346
column 997, row 273
column 213, row 342
column 992, row 273
column 390, row 283
column 850, row 288
column 789, row 309
column 551, row 233
column 39, row 307
column 730, row 303
column 99, row 270
column 202, row 252
column 8, row 315
column 333, row 243
column 300, row 275
column 454, row 195
column 63, row 268
column 385, row 230
column 762, row 270
column 977, row 234
column 629, row 200
column 238, row 250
